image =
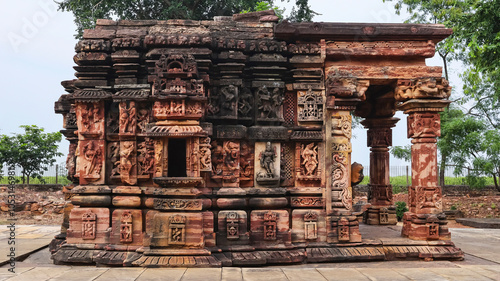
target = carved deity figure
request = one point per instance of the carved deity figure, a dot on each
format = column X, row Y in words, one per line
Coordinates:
column 145, row 158
column 245, row 103
column 125, row 159
column 246, row 165
column 217, row 159
column 128, row 119
column 267, row 159
column 90, row 117
column 114, row 157
column 228, row 99
column 269, row 103
column 231, row 155
column 142, row 120
column 310, row 158
column 205, row 155
column 93, row 157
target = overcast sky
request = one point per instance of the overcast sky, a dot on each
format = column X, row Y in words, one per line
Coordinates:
column 37, row 48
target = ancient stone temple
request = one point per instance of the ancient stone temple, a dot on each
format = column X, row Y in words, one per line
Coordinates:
column 228, row 142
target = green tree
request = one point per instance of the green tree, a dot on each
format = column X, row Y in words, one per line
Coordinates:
column 33, row 151
column 402, row 152
column 476, row 43
column 87, row 12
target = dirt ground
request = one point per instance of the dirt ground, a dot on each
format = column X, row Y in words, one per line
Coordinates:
column 46, row 207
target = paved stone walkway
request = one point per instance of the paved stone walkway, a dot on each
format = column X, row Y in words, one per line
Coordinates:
column 482, row 262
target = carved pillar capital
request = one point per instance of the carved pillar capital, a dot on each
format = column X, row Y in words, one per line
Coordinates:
column 344, row 85
column 379, row 131
column 422, row 88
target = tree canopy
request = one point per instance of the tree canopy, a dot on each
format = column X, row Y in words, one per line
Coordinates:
column 470, row 129
column 33, row 151
column 87, row 12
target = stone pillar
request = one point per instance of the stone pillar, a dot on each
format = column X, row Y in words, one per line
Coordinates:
column 344, row 92
column 379, row 139
column 425, row 220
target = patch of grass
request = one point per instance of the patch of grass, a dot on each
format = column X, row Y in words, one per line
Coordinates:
column 453, row 207
column 493, row 206
column 46, row 180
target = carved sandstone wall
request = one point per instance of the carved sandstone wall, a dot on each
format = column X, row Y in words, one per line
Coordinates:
column 227, row 142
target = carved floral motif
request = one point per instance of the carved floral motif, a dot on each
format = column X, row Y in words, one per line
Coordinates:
column 126, row 230
column 232, row 226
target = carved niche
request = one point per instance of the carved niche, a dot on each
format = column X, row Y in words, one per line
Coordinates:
column 269, row 103
column 432, row 224
column 308, row 164
column 384, row 216
column 126, row 230
column 89, row 224
column 177, row 230
column 268, row 174
column 270, row 223
column 173, row 74
column 128, row 118
column 232, row 226
column 311, row 225
column 310, row 105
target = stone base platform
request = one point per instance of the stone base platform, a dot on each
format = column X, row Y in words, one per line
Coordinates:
column 380, row 243
column 480, row 223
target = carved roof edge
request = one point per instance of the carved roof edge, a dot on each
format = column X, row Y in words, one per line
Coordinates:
column 307, row 135
column 361, row 31
column 91, row 94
